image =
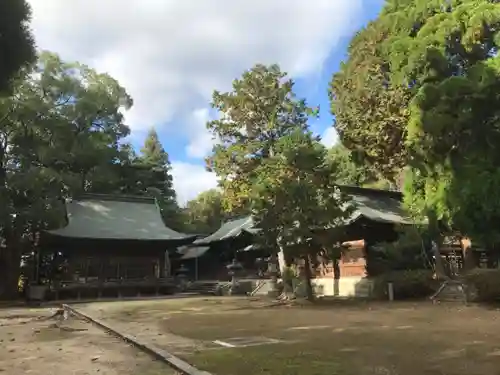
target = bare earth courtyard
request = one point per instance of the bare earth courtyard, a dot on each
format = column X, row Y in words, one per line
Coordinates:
column 242, row 336
column 32, row 344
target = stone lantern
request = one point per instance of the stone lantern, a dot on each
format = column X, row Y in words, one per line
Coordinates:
column 234, row 268
column 182, row 276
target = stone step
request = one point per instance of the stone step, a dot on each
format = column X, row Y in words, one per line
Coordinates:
column 203, row 287
column 451, row 291
column 263, row 288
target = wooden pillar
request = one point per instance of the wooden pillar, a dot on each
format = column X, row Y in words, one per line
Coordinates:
column 86, row 275
column 143, row 269
column 37, row 266
column 196, row 268
column 57, row 287
column 157, row 268
column 158, row 272
column 167, row 267
column 162, row 264
column 118, row 260
column 100, row 277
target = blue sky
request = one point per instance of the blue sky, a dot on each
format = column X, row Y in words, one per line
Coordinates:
column 314, row 88
column 171, row 55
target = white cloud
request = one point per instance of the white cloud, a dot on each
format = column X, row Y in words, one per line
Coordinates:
column 171, row 54
column 201, row 140
column 190, row 180
column 329, row 137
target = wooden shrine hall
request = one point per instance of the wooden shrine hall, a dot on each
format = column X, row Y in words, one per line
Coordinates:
column 112, row 246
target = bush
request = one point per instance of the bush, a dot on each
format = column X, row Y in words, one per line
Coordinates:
column 484, row 284
column 408, row 284
column 407, row 253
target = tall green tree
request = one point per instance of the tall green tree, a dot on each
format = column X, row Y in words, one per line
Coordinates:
column 261, row 109
column 295, row 199
column 61, row 123
column 153, row 152
column 268, row 160
column 205, row 213
column 154, row 157
column 345, row 171
column 147, row 173
column 371, row 113
column 427, row 73
column 79, row 119
column 153, row 176
column 16, row 42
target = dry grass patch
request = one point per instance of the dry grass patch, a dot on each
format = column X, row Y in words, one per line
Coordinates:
column 358, row 338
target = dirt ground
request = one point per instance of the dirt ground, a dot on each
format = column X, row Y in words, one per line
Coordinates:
column 348, row 338
column 32, row 344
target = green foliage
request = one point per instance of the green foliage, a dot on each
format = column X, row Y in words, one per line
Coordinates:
column 261, row 109
column 61, row 134
column 67, row 117
column 485, row 284
column 148, row 174
column 62, row 122
column 294, row 194
column 155, row 159
column 205, row 213
column 407, row 284
column 371, row 113
column 420, row 90
column 409, row 252
column 153, row 153
column 60, row 128
column 269, row 160
column 16, row 42
column 345, row 171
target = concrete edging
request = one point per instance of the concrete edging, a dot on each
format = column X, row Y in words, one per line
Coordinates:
column 171, row 360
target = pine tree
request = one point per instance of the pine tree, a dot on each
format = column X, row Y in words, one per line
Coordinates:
column 155, row 161
column 156, row 179
column 419, row 93
column 153, row 152
column 269, row 160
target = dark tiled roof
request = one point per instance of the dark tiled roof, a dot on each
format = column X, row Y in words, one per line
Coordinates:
column 376, row 205
column 115, row 217
column 229, row 229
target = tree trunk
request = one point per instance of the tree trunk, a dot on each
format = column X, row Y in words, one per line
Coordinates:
column 467, row 254
column 273, row 270
column 281, row 260
column 307, row 279
column 438, row 262
column 10, row 266
column 10, row 256
column 278, row 264
column 336, row 276
column 336, row 268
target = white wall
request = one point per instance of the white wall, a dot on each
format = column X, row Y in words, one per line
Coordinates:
column 354, row 286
